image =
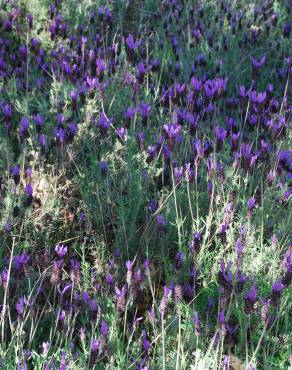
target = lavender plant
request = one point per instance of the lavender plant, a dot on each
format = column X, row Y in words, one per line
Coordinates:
column 145, row 184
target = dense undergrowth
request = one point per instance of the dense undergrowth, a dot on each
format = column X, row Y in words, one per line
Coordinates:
column 145, row 184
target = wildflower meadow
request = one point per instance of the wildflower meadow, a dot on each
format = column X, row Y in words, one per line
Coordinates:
column 146, row 184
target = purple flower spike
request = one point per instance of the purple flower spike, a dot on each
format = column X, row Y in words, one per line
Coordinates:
column 109, row 279
column 45, row 347
column 7, row 111
column 178, row 174
column 92, row 84
column 129, row 265
column 121, row 298
column 130, row 113
column 60, row 135
column 104, row 328
column 20, row 306
column 250, row 206
column 23, row 51
column 225, row 363
column 61, row 250
column 239, row 250
column 146, row 344
column 22, row 366
column 287, row 265
column 7, row 227
column 239, row 246
column 28, row 172
column 103, row 167
column 261, row 97
column 258, row 63
column 152, row 205
column 194, row 245
column 104, row 122
column 172, row 131
column 250, row 299
column 196, row 84
column 165, row 300
column 141, row 71
column 75, row 264
column 122, row 132
column 39, row 121
column 74, row 97
column 82, row 217
column 131, row 43
column 42, row 140
column 35, row 43
column 24, row 125
column 144, row 110
column 100, row 68
column 287, row 27
column 29, row 190
column 277, row 288
column 221, row 134
column 147, row 265
column 179, row 260
column 243, row 93
column 95, row 344
column 15, row 172
column 4, row 277
column 160, row 221
column 72, row 130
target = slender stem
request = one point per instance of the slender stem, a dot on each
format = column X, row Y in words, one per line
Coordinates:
column 179, row 340
column 197, row 352
column 6, row 292
column 178, row 219
column 197, row 194
column 163, row 341
column 190, row 203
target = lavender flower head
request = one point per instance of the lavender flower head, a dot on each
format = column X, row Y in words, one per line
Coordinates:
column 195, row 243
column 121, row 298
column 24, row 125
column 95, row 345
column 221, row 134
column 172, row 131
column 277, row 288
column 131, row 43
column 165, row 300
column 15, row 171
column 7, row 111
column 179, row 260
column 250, row 206
column 104, row 328
column 20, row 306
column 144, row 110
column 104, row 122
column 258, row 63
column 250, row 299
column 29, row 190
column 160, row 221
column 103, row 167
column 61, row 250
